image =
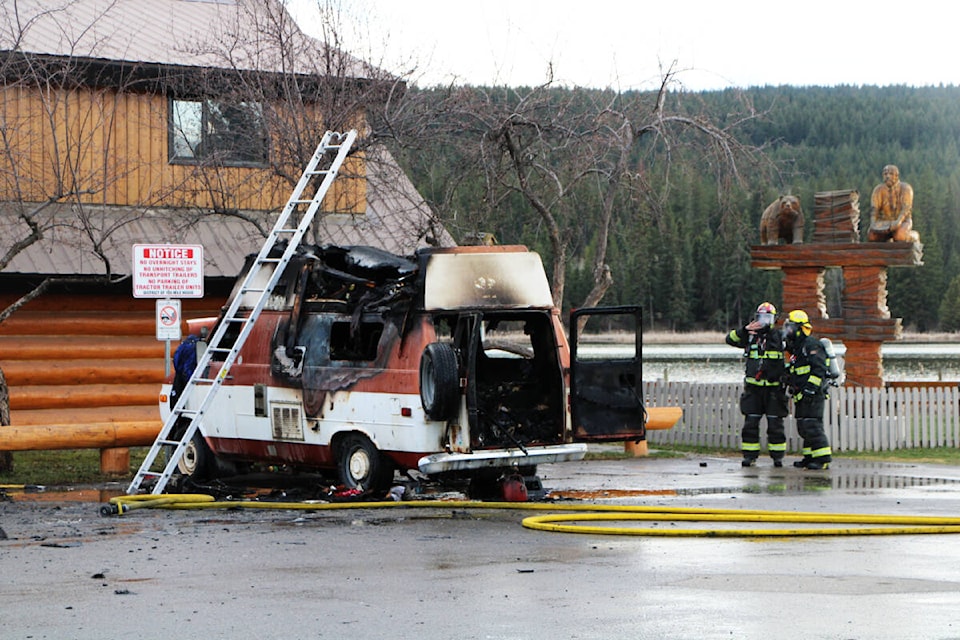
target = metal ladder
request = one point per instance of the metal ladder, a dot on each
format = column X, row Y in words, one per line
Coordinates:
column 260, row 280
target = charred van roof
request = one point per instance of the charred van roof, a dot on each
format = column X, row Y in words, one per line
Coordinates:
column 370, row 262
column 434, row 279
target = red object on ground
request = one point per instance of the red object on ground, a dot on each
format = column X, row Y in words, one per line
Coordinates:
column 514, row 489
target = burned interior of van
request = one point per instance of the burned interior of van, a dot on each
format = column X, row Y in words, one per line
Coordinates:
column 515, row 385
column 496, row 309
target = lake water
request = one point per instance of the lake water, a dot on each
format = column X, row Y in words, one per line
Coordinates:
column 722, row 363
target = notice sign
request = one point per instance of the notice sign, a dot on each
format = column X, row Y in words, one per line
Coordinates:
column 167, row 271
column 168, row 319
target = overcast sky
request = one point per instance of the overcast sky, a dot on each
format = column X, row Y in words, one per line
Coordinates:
column 626, row 43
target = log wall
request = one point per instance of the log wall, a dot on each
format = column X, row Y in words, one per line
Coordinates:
column 87, row 364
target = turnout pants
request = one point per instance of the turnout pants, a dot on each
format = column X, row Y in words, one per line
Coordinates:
column 809, row 414
column 757, row 402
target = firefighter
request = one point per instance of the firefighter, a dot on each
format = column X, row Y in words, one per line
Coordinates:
column 763, row 393
column 807, row 370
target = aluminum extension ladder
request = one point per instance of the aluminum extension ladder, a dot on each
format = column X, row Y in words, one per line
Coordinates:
column 260, row 280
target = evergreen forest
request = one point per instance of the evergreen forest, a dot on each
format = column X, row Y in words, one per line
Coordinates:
column 684, row 253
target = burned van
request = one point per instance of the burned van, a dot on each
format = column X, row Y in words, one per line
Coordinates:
column 451, row 362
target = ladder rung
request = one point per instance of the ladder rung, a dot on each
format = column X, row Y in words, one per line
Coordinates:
column 168, row 442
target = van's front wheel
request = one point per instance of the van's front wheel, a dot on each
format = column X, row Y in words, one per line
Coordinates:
column 362, row 466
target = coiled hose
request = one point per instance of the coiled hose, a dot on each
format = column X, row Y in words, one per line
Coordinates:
column 576, row 517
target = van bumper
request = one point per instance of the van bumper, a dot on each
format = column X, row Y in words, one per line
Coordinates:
column 496, row 458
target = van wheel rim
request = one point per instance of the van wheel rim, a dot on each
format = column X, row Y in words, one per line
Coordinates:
column 188, row 461
column 359, row 464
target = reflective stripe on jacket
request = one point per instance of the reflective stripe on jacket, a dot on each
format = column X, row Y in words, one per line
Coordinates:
column 763, row 351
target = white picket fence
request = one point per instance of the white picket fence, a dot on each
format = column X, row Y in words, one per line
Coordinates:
column 855, row 418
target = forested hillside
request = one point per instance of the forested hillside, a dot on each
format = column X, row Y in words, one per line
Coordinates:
column 685, row 257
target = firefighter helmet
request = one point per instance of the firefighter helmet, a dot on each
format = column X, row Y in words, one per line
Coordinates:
column 766, row 314
column 798, row 321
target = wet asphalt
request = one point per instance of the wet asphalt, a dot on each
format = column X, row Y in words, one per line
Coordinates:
column 67, row 572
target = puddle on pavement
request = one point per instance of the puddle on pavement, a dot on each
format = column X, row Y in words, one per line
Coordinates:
column 773, row 482
column 861, row 477
column 608, row 494
column 840, row 480
column 31, row 493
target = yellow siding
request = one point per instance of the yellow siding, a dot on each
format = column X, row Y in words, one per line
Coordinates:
column 111, row 148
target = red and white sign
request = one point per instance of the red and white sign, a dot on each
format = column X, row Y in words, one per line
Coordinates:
column 168, row 320
column 167, row 271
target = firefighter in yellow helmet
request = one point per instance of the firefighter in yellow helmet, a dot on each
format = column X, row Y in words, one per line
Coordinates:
column 807, row 370
column 763, row 395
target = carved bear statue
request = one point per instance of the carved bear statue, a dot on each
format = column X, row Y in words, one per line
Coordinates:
column 782, row 220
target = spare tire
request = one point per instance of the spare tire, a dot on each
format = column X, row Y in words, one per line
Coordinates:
column 439, row 381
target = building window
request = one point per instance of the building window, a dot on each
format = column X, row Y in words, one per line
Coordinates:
column 225, row 133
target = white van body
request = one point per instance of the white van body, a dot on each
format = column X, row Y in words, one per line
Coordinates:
column 451, row 361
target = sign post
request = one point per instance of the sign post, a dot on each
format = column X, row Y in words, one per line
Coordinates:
column 168, row 327
column 168, row 272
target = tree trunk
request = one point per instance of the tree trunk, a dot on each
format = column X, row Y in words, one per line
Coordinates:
column 6, row 457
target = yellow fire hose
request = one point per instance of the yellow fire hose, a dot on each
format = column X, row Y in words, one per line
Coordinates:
column 843, row 524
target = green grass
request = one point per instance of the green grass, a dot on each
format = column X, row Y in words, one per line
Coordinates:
column 63, row 468
column 82, row 466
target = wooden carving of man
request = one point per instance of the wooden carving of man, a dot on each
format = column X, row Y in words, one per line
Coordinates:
column 891, row 215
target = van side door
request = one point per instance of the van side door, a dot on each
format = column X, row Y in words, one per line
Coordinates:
column 606, row 392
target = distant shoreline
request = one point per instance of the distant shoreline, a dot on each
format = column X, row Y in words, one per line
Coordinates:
column 710, row 337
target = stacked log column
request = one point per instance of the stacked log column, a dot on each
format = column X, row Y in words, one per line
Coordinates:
column 864, row 323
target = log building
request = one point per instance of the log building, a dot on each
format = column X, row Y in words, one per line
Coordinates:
column 161, row 121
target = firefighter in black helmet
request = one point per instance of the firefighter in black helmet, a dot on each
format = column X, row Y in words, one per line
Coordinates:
column 807, row 383
column 763, row 395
